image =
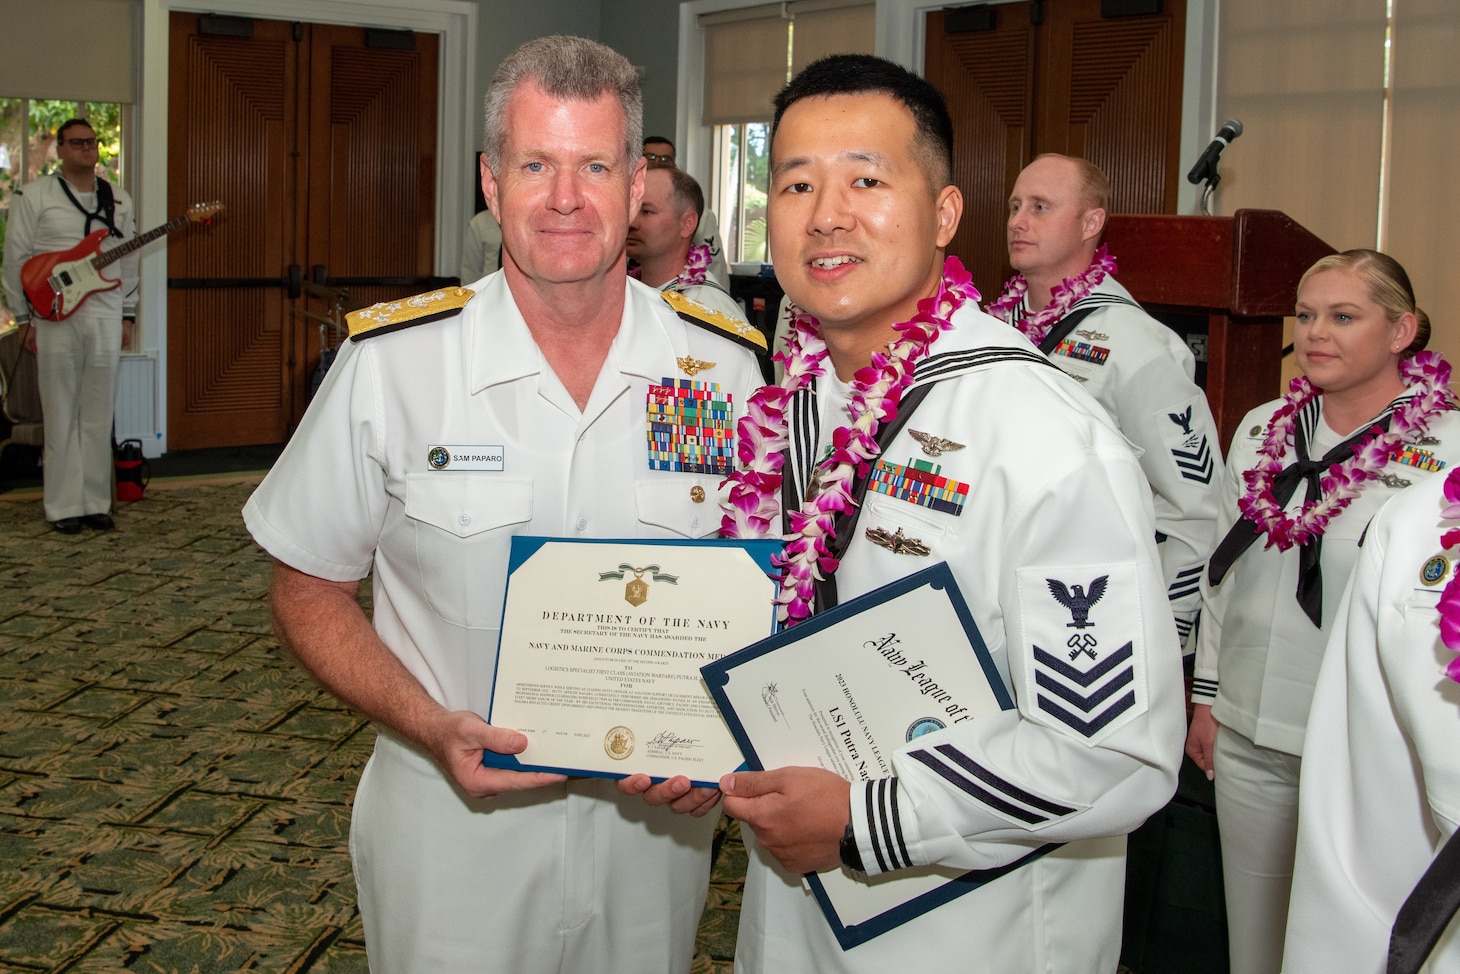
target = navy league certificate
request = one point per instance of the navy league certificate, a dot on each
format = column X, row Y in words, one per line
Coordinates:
column 847, row 688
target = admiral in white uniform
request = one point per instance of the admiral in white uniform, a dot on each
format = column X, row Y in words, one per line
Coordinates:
column 430, row 445
column 1267, row 613
column 1038, row 488
column 1134, row 366
column 1380, row 789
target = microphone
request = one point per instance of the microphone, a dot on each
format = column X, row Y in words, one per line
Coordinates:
column 1206, row 164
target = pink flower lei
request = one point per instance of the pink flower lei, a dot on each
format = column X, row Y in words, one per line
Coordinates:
column 1449, row 606
column 1036, row 324
column 695, row 265
column 1426, row 375
column 755, row 487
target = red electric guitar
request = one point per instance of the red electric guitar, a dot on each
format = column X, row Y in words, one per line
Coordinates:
column 57, row 283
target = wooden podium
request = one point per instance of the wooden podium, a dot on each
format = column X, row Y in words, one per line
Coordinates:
column 1239, row 274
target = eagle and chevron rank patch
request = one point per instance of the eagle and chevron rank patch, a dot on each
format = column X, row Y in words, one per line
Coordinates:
column 1081, row 624
column 1189, row 448
column 920, row 482
column 691, row 427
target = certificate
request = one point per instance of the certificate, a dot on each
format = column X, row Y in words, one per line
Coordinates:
column 601, row 644
column 846, row 689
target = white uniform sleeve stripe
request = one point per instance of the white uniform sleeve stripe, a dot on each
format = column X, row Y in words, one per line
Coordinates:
column 875, row 827
column 994, row 781
column 983, row 795
column 891, row 829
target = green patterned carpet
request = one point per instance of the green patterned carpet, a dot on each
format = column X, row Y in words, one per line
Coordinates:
column 174, row 792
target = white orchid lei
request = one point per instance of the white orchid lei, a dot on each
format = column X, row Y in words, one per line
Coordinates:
column 1036, row 324
column 1426, row 375
column 695, row 265
column 755, row 487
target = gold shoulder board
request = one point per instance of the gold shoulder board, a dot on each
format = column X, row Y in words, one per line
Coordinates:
column 388, row 316
column 740, row 332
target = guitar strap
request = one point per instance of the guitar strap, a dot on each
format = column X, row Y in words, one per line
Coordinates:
column 106, row 205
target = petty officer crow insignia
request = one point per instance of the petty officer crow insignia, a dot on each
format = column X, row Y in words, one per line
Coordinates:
column 1079, row 626
column 1189, row 448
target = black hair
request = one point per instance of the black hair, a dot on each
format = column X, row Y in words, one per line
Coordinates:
column 858, row 74
column 71, row 123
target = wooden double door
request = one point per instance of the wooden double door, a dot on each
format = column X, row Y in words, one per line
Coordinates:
column 320, row 141
column 1056, row 76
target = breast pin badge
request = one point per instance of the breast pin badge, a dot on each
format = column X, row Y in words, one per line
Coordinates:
column 897, row 543
column 934, row 446
column 692, row 366
column 1434, row 571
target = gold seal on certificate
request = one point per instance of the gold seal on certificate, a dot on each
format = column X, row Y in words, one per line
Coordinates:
column 601, row 644
column 618, row 743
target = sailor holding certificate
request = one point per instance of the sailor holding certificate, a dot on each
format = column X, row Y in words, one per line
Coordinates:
column 454, row 422
column 986, row 458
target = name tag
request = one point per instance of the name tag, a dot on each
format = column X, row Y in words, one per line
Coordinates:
column 455, row 456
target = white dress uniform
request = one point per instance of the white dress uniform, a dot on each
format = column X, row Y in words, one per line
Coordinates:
column 1143, row 373
column 1380, row 790
column 1256, row 637
column 77, row 358
column 570, row 877
column 1036, row 488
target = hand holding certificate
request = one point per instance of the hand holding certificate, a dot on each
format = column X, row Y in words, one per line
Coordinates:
column 601, row 647
column 843, row 691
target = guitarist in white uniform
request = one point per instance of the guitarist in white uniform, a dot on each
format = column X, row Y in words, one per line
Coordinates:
column 78, row 355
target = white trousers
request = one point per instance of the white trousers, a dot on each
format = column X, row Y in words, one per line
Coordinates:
column 1257, row 816
column 569, row 878
column 77, row 361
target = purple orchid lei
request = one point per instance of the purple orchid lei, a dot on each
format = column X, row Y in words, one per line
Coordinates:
column 695, row 265
column 1036, row 325
column 755, row 487
column 1427, row 375
column 1449, row 606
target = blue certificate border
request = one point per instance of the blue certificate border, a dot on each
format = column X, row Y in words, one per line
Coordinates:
column 761, row 550
column 717, row 675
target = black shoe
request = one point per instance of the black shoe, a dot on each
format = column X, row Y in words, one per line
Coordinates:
column 67, row 525
column 99, row 522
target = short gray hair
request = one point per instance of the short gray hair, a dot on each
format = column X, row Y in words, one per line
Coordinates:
column 571, row 68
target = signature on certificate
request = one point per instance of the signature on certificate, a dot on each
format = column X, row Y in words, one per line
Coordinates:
column 666, row 742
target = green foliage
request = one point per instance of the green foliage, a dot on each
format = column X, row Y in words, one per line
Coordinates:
column 755, row 243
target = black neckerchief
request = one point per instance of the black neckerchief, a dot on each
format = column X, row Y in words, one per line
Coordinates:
column 1303, row 470
column 803, row 415
column 106, row 205
column 1427, row 911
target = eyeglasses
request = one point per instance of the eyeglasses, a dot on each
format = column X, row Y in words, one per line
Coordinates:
column 667, row 160
column 82, row 143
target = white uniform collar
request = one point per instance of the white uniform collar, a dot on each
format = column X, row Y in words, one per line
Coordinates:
column 501, row 347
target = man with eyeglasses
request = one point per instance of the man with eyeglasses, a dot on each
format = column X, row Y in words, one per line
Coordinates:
column 659, row 154
column 77, row 356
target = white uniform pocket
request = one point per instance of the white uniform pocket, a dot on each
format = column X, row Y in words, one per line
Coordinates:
column 670, row 503
column 462, row 527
